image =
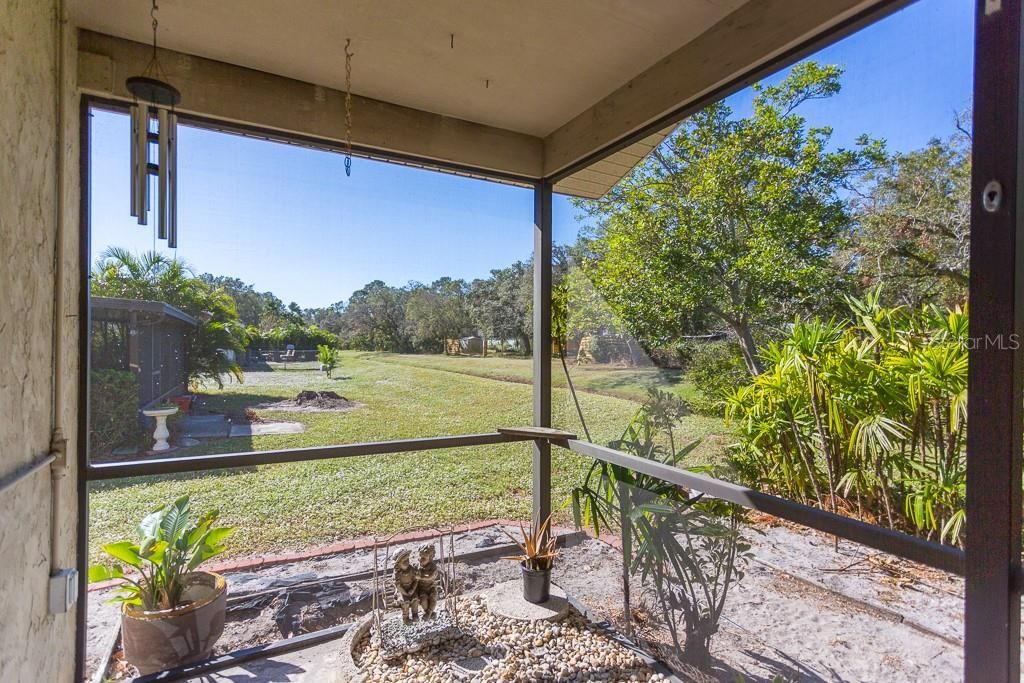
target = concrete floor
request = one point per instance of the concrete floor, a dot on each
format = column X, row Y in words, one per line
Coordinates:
column 317, row 664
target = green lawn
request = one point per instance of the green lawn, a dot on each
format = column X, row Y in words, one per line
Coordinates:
column 299, row 504
column 620, row 382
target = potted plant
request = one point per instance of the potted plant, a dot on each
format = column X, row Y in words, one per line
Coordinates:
column 171, row 614
column 536, row 560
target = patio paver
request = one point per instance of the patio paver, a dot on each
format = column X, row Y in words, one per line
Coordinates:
column 205, row 426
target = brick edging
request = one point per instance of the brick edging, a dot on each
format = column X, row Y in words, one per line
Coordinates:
column 256, row 562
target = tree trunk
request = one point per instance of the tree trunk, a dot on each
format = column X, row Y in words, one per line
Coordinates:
column 525, row 339
column 636, row 355
column 626, row 530
column 748, row 347
column 697, row 649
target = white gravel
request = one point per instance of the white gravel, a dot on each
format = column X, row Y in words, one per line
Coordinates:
column 495, row 649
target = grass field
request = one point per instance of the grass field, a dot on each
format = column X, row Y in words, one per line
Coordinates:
column 300, row 504
column 620, row 382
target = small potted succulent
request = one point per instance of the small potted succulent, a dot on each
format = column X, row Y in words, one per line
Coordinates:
column 171, row 614
column 539, row 551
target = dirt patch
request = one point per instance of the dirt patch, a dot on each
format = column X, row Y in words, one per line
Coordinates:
column 314, row 402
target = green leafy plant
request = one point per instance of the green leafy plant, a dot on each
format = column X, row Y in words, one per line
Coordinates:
column 170, row 548
column 715, row 368
column 113, row 410
column 686, row 547
column 692, row 555
column 866, row 417
column 538, row 546
column 328, row 357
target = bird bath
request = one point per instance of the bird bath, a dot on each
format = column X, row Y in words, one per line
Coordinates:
column 160, row 434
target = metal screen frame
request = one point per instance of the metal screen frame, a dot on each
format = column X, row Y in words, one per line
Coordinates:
column 991, row 563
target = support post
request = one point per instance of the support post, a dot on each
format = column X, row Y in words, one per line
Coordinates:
column 541, row 349
column 992, row 598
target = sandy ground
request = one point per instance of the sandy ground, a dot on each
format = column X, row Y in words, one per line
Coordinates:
column 802, row 612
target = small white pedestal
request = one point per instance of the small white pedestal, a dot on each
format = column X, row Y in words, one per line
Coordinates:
column 161, row 433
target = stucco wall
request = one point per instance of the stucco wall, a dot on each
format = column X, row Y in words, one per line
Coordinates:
column 35, row 646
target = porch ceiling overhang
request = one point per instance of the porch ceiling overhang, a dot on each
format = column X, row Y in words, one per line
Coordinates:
column 520, row 89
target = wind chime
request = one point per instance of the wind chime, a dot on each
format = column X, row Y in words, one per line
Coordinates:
column 154, row 99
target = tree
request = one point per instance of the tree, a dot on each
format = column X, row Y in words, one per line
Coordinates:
column 498, row 307
column 916, row 218
column 249, row 303
column 329, row 318
column 154, row 277
column 738, row 218
column 376, row 313
column 437, row 313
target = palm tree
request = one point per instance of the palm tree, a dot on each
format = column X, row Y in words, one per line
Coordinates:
column 152, row 276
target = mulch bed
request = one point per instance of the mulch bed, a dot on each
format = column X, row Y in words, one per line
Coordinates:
column 314, row 401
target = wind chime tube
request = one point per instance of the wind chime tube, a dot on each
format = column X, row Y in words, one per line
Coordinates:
column 134, row 194
column 161, row 173
column 172, row 180
column 142, row 164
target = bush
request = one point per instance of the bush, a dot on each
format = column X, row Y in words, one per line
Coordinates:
column 715, row 368
column 690, row 549
column 302, row 337
column 328, row 357
column 113, row 410
column 866, row 415
column 608, row 349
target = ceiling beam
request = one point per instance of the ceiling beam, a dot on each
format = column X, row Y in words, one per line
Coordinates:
column 751, row 36
column 245, row 96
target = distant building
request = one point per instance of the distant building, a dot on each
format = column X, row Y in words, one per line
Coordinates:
column 146, row 337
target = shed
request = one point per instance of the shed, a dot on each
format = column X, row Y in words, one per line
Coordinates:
column 146, row 337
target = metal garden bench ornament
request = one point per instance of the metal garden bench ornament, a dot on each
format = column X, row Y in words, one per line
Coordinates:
column 154, row 98
column 424, row 592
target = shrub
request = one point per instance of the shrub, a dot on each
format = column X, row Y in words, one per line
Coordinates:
column 302, row 337
column 715, row 368
column 605, row 348
column 113, row 410
column 691, row 550
column 867, row 416
column 328, row 357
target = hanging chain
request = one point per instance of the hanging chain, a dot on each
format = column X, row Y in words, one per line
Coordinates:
column 348, row 107
column 152, row 13
column 153, row 68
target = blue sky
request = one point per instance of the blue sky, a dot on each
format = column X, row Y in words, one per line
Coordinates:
column 288, row 220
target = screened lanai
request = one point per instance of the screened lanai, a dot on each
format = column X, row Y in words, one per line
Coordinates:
column 554, row 102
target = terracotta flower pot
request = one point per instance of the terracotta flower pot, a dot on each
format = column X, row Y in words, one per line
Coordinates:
column 536, row 584
column 158, row 640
